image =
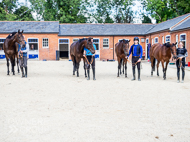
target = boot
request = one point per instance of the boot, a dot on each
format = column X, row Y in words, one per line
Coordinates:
column 139, row 79
column 26, row 72
column 88, row 72
column 133, row 75
column 93, row 70
column 22, row 72
column 178, row 77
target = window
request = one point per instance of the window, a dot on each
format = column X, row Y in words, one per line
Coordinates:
column 96, row 42
column 147, row 41
column 105, row 43
column 163, row 39
column 183, row 38
column 75, row 39
column 167, row 38
column 45, row 43
column 142, row 39
column 176, row 38
column 33, row 44
column 152, row 41
column 156, row 39
column 63, row 41
column 1, row 43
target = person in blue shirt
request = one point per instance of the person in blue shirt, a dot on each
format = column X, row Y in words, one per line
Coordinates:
column 22, row 51
column 137, row 52
column 90, row 57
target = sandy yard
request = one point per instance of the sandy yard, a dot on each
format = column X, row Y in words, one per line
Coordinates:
column 52, row 105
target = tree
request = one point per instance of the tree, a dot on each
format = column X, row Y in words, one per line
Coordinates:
column 123, row 12
column 6, row 10
column 163, row 10
column 24, row 14
column 64, row 11
column 146, row 19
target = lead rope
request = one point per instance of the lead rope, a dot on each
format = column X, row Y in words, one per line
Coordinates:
column 89, row 63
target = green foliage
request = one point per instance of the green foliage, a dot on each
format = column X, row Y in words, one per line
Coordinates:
column 146, row 19
column 163, row 10
column 23, row 14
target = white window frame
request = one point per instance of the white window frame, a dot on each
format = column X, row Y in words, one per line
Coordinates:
column 33, row 51
column 75, row 39
column 163, row 40
column 155, row 39
column 43, row 43
column 166, row 38
column 152, row 41
column 106, row 44
column 65, row 43
column 177, row 40
column 185, row 38
column 2, row 43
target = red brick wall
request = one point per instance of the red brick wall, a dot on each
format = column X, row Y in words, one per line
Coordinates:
column 44, row 53
column 187, row 32
column 107, row 53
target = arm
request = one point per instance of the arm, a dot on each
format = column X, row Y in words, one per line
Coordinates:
column 95, row 50
column 27, row 47
column 141, row 52
column 84, row 53
column 130, row 52
column 186, row 54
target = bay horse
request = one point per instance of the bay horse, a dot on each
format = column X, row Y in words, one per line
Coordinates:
column 77, row 50
column 10, row 47
column 162, row 52
column 122, row 50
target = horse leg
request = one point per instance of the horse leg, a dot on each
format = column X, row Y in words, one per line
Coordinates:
column 7, row 65
column 166, row 68
column 152, row 64
column 163, row 69
column 119, row 66
column 123, row 65
column 84, row 67
column 158, row 68
column 17, row 65
column 126, row 69
column 13, row 64
column 73, row 59
column 77, row 67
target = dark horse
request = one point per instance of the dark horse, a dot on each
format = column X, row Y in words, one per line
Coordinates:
column 122, row 50
column 10, row 47
column 163, row 54
column 77, row 50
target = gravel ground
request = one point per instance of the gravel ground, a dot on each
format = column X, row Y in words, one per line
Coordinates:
column 52, row 105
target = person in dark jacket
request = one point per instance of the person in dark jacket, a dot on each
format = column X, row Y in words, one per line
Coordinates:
column 137, row 52
column 90, row 57
column 181, row 54
column 23, row 56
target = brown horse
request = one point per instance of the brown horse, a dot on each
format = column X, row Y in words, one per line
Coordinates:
column 122, row 50
column 77, row 50
column 163, row 54
column 10, row 47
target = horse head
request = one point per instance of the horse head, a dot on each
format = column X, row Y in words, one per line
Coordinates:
column 125, row 46
column 89, row 45
column 172, row 47
column 18, row 37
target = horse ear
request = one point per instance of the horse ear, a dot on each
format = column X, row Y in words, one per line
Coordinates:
column 128, row 40
column 19, row 31
column 22, row 31
column 176, row 43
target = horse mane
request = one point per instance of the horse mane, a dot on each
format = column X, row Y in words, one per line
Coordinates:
column 124, row 41
column 10, row 36
column 167, row 44
column 80, row 40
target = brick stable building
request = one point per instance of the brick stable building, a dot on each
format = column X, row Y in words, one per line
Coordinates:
column 46, row 37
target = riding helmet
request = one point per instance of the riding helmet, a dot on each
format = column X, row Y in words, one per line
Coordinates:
column 136, row 38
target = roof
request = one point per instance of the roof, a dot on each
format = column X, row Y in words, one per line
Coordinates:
column 167, row 24
column 103, row 29
column 183, row 25
column 29, row 27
